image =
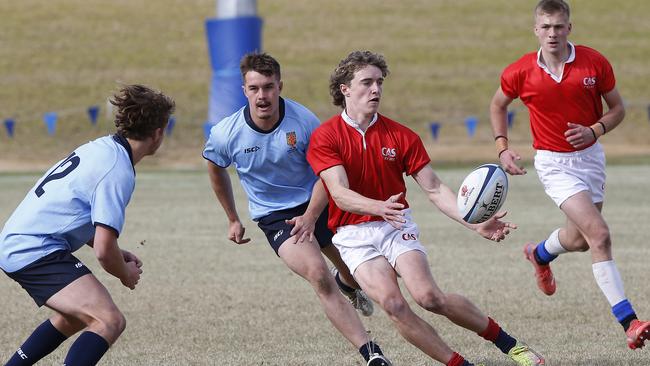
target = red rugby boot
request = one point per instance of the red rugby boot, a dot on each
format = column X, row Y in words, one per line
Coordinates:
column 545, row 279
column 637, row 333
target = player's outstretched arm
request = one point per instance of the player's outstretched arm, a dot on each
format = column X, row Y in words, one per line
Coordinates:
column 438, row 193
column 499, row 121
column 222, row 187
column 443, row 198
column 336, row 180
column 126, row 267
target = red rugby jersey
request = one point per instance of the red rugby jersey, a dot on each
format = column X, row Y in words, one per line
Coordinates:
column 374, row 169
column 576, row 98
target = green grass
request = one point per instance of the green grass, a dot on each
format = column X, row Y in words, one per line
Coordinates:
column 205, row 301
column 445, row 58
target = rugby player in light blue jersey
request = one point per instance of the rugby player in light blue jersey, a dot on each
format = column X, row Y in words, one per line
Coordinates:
column 81, row 200
column 267, row 141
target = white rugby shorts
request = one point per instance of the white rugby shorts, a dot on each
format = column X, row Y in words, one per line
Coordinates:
column 362, row 242
column 565, row 174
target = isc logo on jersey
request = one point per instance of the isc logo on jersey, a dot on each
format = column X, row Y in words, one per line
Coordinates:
column 482, row 193
column 389, row 153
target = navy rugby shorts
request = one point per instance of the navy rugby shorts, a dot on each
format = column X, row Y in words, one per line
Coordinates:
column 277, row 231
column 49, row 275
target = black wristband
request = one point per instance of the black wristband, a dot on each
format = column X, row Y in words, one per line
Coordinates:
column 603, row 125
column 594, row 133
column 501, row 152
column 500, row 137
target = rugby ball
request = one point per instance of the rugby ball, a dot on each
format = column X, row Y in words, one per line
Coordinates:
column 482, row 193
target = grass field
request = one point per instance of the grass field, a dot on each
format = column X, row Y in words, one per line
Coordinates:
column 445, row 57
column 205, row 301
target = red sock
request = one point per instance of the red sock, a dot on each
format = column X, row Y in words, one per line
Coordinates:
column 456, row 360
column 492, row 331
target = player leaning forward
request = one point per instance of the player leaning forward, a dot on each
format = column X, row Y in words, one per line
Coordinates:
column 562, row 85
column 82, row 200
column 266, row 141
column 362, row 157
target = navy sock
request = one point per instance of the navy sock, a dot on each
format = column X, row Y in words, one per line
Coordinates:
column 40, row 343
column 343, row 286
column 369, row 348
column 505, row 342
column 87, row 350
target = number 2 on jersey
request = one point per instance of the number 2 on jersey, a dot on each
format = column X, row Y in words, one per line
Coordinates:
column 74, row 161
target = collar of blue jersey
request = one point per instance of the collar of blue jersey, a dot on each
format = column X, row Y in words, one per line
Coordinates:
column 251, row 124
column 122, row 141
column 354, row 123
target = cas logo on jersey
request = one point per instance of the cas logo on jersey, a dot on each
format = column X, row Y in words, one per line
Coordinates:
column 292, row 140
column 589, row 82
column 389, row 153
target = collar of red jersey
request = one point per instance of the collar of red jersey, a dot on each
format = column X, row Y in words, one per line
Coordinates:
column 572, row 56
column 354, row 123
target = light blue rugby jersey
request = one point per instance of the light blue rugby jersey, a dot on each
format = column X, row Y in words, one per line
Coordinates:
column 271, row 165
column 91, row 186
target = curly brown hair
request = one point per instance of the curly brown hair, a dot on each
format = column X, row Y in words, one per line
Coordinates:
column 344, row 72
column 259, row 62
column 140, row 111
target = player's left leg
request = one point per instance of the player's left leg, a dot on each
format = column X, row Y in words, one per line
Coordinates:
column 414, row 269
column 589, row 221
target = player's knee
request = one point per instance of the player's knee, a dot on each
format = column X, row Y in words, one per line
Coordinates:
column 320, row 279
column 394, row 306
column 432, row 302
column 111, row 323
column 600, row 240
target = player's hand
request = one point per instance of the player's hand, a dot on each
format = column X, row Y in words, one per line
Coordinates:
column 303, row 228
column 236, row 232
column 392, row 211
column 132, row 275
column 494, row 229
column 130, row 257
column 579, row 136
column 509, row 159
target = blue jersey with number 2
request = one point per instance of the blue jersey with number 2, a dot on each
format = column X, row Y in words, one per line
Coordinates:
column 91, row 186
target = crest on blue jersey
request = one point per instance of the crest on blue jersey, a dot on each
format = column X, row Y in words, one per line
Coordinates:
column 292, row 140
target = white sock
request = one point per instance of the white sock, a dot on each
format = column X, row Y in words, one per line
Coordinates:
column 553, row 245
column 609, row 281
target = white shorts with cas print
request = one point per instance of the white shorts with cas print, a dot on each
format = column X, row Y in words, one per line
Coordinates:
column 565, row 174
column 362, row 242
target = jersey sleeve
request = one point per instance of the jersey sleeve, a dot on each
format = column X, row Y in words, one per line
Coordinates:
column 112, row 195
column 608, row 80
column 510, row 82
column 323, row 151
column 216, row 148
column 416, row 156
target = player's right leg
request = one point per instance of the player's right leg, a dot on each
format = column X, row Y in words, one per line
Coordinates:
column 88, row 301
column 306, row 260
column 346, row 282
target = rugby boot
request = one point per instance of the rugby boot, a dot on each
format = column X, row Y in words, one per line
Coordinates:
column 523, row 355
column 637, row 333
column 545, row 279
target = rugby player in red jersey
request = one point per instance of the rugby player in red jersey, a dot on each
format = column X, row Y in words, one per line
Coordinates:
column 362, row 157
column 562, row 85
